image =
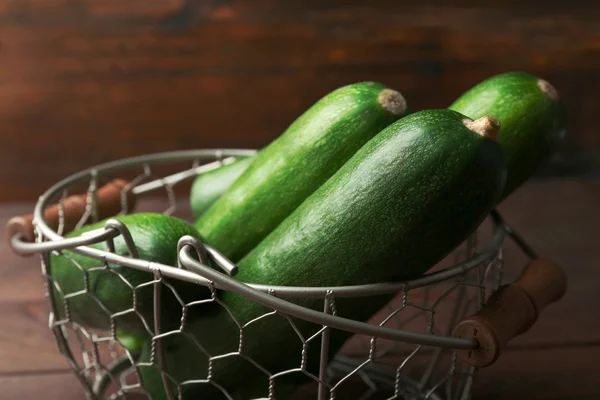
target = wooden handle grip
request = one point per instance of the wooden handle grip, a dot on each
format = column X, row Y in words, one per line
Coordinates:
column 512, row 310
column 108, row 202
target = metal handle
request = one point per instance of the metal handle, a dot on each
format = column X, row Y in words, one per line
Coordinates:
column 108, row 203
column 511, row 311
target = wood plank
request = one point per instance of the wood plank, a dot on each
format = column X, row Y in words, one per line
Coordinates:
column 56, row 386
column 266, row 10
column 122, row 79
column 558, row 374
column 48, row 386
column 27, row 343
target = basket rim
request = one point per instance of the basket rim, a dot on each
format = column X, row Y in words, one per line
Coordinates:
column 80, row 245
column 201, row 274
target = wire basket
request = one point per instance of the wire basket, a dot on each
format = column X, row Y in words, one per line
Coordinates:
column 425, row 343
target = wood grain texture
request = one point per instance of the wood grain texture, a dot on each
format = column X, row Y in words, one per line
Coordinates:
column 555, row 374
column 27, row 344
column 52, row 386
column 84, row 82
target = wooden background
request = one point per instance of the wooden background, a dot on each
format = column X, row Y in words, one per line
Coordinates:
column 87, row 81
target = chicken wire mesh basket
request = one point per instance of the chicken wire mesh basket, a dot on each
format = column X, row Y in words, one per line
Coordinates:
column 425, row 342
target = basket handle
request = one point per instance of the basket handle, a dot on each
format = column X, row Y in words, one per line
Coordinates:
column 108, row 202
column 511, row 311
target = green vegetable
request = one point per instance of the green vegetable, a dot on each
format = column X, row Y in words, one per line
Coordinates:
column 132, row 341
column 532, row 116
column 294, row 165
column 155, row 237
column 405, row 200
column 211, row 185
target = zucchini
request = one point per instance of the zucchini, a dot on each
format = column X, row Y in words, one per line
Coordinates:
column 110, row 287
column 405, row 200
column 295, row 164
column 209, row 186
column 132, row 342
column 532, row 115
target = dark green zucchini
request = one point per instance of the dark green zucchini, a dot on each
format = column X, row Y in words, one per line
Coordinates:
column 110, row 287
column 294, row 165
column 532, row 116
column 405, row 200
column 210, row 186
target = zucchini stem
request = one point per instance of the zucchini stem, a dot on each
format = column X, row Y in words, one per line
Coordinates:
column 486, row 126
column 392, row 101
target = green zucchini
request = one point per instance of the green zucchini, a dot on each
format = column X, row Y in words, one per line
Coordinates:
column 532, row 115
column 133, row 342
column 405, row 200
column 210, row 186
column 295, row 164
column 155, row 236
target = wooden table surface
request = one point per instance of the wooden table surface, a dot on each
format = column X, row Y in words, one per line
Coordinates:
column 557, row 359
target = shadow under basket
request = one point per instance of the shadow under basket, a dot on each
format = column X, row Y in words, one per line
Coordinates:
column 426, row 343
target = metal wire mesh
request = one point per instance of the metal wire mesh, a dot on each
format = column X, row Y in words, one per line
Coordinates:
column 365, row 367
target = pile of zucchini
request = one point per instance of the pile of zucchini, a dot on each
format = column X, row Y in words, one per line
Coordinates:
column 359, row 189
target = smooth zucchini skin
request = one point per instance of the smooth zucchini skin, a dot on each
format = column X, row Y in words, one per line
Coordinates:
column 295, row 164
column 404, row 201
column 532, row 116
column 155, row 236
column 210, row 186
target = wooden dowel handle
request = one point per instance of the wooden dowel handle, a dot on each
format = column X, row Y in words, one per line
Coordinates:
column 108, row 203
column 511, row 311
